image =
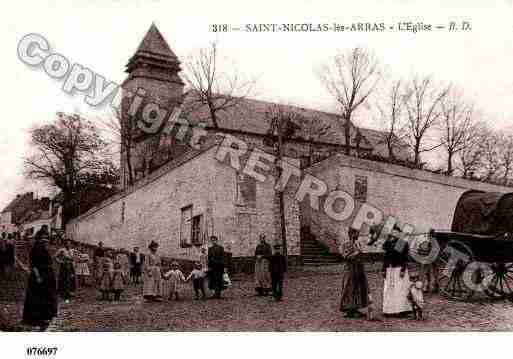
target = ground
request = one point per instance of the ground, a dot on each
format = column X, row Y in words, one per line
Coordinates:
column 310, row 304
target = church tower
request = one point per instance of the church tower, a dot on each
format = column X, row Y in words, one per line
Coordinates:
column 153, row 81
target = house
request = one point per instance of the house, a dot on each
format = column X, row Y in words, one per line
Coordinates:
column 26, row 214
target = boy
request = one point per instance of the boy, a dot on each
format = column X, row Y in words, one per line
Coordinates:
column 173, row 279
column 197, row 275
column 277, row 267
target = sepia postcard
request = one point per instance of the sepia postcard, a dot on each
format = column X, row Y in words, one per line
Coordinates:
column 255, row 166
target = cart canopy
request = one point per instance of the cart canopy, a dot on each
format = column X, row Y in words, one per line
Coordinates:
column 486, row 213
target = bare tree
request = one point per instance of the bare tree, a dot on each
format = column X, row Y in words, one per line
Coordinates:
column 209, row 86
column 350, row 79
column 120, row 133
column 506, row 157
column 458, row 126
column 391, row 118
column 69, row 154
column 422, row 103
column 471, row 155
column 490, row 162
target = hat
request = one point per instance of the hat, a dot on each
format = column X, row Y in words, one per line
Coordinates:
column 424, row 248
column 395, row 234
column 153, row 244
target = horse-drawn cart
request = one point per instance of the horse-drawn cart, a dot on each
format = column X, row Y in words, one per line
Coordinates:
column 477, row 254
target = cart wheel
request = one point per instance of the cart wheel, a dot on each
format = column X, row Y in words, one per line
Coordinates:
column 450, row 280
column 500, row 285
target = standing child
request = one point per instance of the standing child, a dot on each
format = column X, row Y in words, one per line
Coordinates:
column 106, row 276
column 277, row 267
column 173, row 279
column 416, row 298
column 119, row 280
column 198, row 276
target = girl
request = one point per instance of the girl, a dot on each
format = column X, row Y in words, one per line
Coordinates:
column 173, row 279
column 82, row 266
column 416, row 296
column 119, row 280
column 106, row 276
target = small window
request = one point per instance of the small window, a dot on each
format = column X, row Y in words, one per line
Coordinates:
column 123, row 205
column 196, row 233
column 185, row 227
column 246, row 190
column 360, row 188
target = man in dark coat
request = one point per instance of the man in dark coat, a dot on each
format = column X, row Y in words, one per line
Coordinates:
column 136, row 263
column 3, row 257
column 98, row 255
column 216, row 267
column 277, row 267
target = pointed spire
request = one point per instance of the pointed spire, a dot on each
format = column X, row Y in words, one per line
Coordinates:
column 154, row 56
column 154, row 43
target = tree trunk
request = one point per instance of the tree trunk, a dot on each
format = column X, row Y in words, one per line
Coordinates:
column 449, row 163
column 347, row 135
column 416, row 151
column 129, row 166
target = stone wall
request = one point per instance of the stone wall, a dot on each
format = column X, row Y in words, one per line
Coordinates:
column 422, row 199
column 151, row 210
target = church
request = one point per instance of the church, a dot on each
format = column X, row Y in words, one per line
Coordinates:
column 179, row 194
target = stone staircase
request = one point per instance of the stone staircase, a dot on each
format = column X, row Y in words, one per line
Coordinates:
column 314, row 253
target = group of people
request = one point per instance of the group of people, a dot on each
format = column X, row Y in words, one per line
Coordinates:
column 7, row 254
column 210, row 271
column 402, row 291
column 270, row 266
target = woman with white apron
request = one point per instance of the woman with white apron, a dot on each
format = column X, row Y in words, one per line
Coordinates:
column 397, row 281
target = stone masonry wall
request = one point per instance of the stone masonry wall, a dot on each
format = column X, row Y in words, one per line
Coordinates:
column 152, row 211
column 419, row 198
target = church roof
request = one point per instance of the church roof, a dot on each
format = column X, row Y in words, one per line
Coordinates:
column 251, row 116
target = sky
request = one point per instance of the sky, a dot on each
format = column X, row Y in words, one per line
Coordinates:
column 103, row 35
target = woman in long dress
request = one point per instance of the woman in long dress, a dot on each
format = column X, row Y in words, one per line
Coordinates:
column 66, row 285
column 397, row 282
column 41, row 296
column 263, row 252
column 355, row 288
column 123, row 259
column 152, row 275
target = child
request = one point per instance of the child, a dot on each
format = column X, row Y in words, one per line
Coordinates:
column 416, row 298
column 198, row 276
column 119, row 280
column 106, row 276
column 226, row 279
column 173, row 279
column 371, row 315
column 277, row 267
